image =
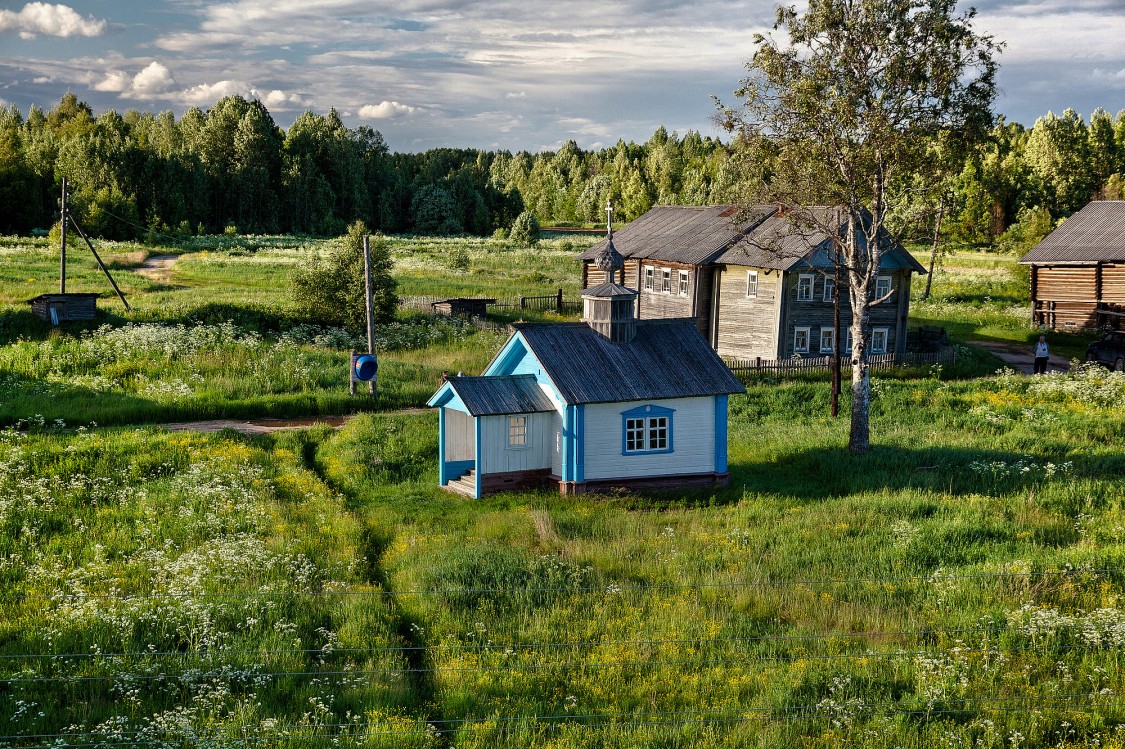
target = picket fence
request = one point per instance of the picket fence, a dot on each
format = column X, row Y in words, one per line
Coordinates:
column 876, row 362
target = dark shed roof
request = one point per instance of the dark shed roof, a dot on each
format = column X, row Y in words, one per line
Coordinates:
column 667, row 359
column 492, row 396
column 1094, row 234
column 682, row 234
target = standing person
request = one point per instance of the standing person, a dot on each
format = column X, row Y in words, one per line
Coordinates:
column 1042, row 353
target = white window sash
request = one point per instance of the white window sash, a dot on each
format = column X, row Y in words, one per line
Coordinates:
column 805, row 288
column 831, row 334
column 798, row 335
column 876, row 335
column 751, row 284
column 828, row 285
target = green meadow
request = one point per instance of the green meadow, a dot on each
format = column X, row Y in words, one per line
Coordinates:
column 959, row 586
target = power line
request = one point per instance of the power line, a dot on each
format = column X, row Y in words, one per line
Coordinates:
column 608, row 589
column 523, row 645
column 533, row 667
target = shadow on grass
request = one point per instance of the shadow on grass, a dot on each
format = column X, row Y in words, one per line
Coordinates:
column 830, row 473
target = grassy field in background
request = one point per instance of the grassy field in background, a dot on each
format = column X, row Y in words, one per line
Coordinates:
column 258, row 358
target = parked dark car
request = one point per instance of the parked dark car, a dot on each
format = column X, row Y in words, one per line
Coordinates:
column 1109, row 351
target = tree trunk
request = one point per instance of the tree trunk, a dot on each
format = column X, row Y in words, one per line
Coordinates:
column 934, row 248
column 859, row 278
column 838, row 344
column 859, row 438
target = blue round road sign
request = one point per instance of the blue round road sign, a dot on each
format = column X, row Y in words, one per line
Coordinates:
column 366, row 367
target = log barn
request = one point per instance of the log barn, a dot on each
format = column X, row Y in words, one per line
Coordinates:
column 756, row 284
column 1078, row 271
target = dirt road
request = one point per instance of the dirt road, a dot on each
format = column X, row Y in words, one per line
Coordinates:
column 1019, row 357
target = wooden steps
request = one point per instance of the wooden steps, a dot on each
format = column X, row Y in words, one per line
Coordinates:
column 465, row 484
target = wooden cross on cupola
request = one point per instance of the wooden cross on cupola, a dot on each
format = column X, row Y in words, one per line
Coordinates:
column 609, row 217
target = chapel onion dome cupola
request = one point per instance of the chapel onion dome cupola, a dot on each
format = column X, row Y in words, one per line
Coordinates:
column 608, row 307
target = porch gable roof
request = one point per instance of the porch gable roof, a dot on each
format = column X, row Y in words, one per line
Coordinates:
column 493, row 396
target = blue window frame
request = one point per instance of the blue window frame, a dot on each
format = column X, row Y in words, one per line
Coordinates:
column 646, row 430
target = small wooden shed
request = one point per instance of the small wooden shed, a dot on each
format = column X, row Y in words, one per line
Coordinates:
column 462, row 307
column 1078, row 270
column 59, row 308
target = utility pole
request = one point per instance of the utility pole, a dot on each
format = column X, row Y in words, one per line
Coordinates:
column 62, row 256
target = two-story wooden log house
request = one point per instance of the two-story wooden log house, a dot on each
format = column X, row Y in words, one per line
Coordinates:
column 757, row 284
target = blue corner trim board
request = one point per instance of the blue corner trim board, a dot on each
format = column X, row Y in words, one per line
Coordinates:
column 476, row 452
column 647, row 412
column 443, row 474
column 579, row 443
column 721, row 434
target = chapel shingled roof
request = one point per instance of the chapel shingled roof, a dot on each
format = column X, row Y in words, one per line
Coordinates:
column 668, row 358
column 1094, row 234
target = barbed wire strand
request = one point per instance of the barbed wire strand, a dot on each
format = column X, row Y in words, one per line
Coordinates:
column 525, row 645
column 609, row 589
column 532, row 667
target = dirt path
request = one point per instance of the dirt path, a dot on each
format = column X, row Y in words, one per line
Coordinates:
column 1019, row 357
column 268, row 426
column 157, row 267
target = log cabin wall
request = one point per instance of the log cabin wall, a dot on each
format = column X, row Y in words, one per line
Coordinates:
column 593, row 276
column 1067, row 297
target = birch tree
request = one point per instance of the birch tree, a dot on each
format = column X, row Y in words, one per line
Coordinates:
column 837, row 109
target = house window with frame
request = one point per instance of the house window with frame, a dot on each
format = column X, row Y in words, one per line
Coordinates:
column 827, row 341
column 751, row 284
column 882, row 287
column 646, row 430
column 650, row 278
column 879, row 340
column 801, row 341
column 517, row 431
column 683, row 283
column 805, row 287
column 666, row 280
column 829, row 288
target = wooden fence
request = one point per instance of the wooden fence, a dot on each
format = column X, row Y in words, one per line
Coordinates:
column 542, row 303
column 877, row 362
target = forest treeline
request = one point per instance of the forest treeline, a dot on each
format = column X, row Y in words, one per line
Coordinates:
column 232, row 168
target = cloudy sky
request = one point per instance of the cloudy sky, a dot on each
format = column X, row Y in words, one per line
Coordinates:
column 515, row 74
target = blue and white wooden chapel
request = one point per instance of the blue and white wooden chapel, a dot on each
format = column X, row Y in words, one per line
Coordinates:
column 610, row 402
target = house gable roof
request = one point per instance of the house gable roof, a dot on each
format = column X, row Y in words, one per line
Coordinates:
column 668, row 358
column 682, row 234
column 782, row 243
column 1094, row 234
column 757, row 237
column 494, row 396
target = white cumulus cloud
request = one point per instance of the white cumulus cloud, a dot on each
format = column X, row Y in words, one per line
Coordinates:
column 280, row 100
column 209, row 93
column 54, row 20
column 385, row 110
column 154, row 79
